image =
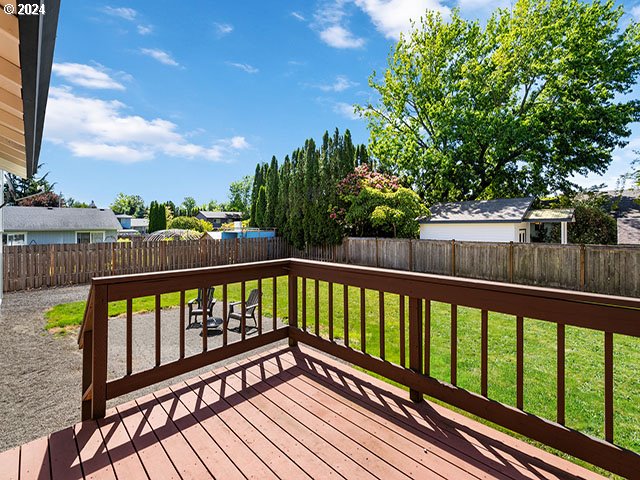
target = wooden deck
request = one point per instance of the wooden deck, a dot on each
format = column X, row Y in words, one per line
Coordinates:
column 287, row 413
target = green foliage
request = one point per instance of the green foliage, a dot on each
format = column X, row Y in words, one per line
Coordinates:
column 261, row 207
column 258, row 181
column 240, row 196
column 384, row 213
column 188, row 207
column 157, row 217
column 29, row 186
column 129, row 205
column 509, row 109
column 301, row 193
column 272, row 187
column 73, row 203
column 593, row 226
column 190, row 223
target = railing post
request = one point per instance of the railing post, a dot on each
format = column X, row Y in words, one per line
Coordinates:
column 87, row 373
column 293, row 306
column 415, row 342
column 99, row 353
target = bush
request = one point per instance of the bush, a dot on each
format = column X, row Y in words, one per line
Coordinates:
column 190, row 223
column 593, row 226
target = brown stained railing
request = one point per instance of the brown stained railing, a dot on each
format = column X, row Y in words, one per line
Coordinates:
column 416, row 292
column 93, row 338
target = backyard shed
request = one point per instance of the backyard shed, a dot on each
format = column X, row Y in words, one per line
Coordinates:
column 500, row 220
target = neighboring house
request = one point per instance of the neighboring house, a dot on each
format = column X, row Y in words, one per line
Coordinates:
column 47, row 225
column 501, row 220
column 125, row 230
column 217, row 219
column 141, row 225
column 628, row 217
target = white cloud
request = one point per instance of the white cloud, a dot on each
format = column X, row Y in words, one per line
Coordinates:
column 87, row 75
column 160, row 55
column 298, row 16
column 244, row 67
column 122, row 12
column 145, row 29
column 635, row 12
column 341, row 84
column 346, row 110
column 339, row 37
column 238, row 143
column 103, row 151
column 223, row 29
column 391, row 17
column 99, row 129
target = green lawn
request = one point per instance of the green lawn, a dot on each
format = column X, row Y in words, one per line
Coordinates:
column 584, row 353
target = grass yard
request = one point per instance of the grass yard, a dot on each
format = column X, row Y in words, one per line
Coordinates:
column 584, row 352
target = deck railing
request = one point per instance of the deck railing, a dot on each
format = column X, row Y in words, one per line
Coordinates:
column 348, row 336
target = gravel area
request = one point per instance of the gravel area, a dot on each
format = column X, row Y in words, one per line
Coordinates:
column 40, row 387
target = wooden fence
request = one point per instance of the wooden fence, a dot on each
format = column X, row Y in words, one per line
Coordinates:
column 613, row 270
column 605, row 269
column 37, row 266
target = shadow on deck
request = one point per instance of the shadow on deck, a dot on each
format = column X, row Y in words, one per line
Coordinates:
column 286, row 413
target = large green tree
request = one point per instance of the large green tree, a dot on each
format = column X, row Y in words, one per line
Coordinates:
column 240, row 196
column 129, row 205
column 512, row 108
column 272, row 186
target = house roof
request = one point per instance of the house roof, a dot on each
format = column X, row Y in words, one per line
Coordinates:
column 212, row 215
column 629, row 231
column 139, row 222
column 123, row 215
column 550, row 215
column 31, row 219
column 485, row 211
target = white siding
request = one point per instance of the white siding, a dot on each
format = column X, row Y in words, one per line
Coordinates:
column 473, row 232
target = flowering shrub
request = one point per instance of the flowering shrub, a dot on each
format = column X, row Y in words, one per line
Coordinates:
column 362, row 176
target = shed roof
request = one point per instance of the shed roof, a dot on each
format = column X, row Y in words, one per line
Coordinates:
column 31, row 219
column 550, row 215
column 486, row 211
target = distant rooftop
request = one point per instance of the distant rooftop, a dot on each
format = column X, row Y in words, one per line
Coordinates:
column 550, row 215
column 139, row 222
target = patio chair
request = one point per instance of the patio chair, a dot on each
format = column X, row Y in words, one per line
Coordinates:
column 195, row 306
column 250, row 308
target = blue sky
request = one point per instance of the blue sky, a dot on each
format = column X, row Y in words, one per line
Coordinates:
column 163, row 101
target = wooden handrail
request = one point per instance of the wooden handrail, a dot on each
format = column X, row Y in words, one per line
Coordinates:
column 607, row 314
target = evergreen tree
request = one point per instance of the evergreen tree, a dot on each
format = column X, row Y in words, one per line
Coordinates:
column 153, row 217
column 261, row 207
column 272, row 193
column 255, row 190
column 162, row 216
column 282, row 208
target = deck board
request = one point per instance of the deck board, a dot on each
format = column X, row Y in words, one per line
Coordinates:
column 285, row 413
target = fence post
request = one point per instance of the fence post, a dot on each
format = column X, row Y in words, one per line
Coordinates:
column 453, row 258
column 411, row 254
column 415, row 342
column 87, row 372
column 377, row 253
column 99, row 351
column 293, row 307
column 582, row 266
column 510, row 262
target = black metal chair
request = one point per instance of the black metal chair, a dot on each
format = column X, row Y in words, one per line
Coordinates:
column 250, row 308
column 195, row 306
